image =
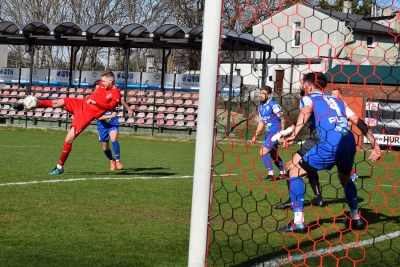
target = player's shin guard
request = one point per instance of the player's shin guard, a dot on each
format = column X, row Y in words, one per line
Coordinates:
column 279, row 163
column 65, row 153
column 350, row 192
column 108, row 154
column 297, row 192
column 116, row 149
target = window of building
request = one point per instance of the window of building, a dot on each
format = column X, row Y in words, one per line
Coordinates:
column 296, row 37
column 370, row 41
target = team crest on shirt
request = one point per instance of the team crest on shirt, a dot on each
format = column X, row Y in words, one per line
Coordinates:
column 109, row 96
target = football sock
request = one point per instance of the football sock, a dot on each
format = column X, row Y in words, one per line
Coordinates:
column 59, row 166
column 314, row 182
column 267, row 162
column 116, row 149
column 65, row 152
column 350, row 192
column 45, row 103
column 354, row 214
column 108, row 154
column 297, row 192
column 279, row 164
column 298, row 217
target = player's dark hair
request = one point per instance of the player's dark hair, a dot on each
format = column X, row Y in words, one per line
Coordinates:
column 268, row 89
column 96, row 83
column 317, row 78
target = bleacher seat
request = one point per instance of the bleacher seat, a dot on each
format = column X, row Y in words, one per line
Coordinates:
column 72, row 90
column 5, row 93
column 159, row 101
column 190, row 124
column 160, row 116
column 13, row 100
column 180, row 123
column 169, row 102
column 160, row 122
column 143, row 108
column 12, row 113
column 141, row 99
column 72, row 96
column 63, row 89
column 130, row 120
column 189, row 110
column 161, row 109
column 20, row 113
column 133, row 107
column 177, row 95
column 159, row 94
column 140, row 121
column 5, row 100
column 56, row 116
column 80, row 96
column 180, row 117
column 79, row 91
column 47, row 115
column 171, row 109
column 132, row 100
column 149, row 122
column 14, row 93
column 168, row 95
column 4, row 112
column 15, row 87
column 45, row 95
column 141, row 115
column 170, row 117
column 150, row 116
column 180, row 110
column 188, row 102
column 88, row 91
column 150, row 100
column 46, row 89
column 57, row 110
column 186, row 96
column 169, row 123
column 189, row 118
column 54, row 95
column 141, row 93
column 63, row 96
column 38, row 114
column 131, row 93
column 178, row 102
column 195, row 96
column 7, row 86
column 48, row 110
column 121, row 120
column 38, row 95
column 196, row 103
column 150, row 94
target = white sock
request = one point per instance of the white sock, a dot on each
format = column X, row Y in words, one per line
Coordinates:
column 354, row 214
column 282, row 172
column 59, row 166
column 270, row 172
column 298, row 217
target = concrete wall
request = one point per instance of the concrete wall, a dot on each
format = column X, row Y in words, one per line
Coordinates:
column 3, row 55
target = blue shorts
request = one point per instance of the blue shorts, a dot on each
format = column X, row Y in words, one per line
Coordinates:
column 326, row 156
column 104, row 132
column 269, row 144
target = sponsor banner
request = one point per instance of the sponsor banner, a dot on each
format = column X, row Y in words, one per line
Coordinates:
column 133, row 79
column 169, row 79
column 88, row 77
column 224, row 81
column 9, row 75
column 383, row 116
column 187, row 82
column 151, row 80
column 384, row 139
column 61, row 77
column 39, row 76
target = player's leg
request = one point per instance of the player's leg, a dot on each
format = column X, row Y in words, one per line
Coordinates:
column 116, row 147
column 277, row 160
column 353, row 174
column 288, row 204
column 104, row 138
column 69, row 139
column 54, row 103
column 313, row 177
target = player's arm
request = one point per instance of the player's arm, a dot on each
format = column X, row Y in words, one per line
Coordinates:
column 105, row 117
column 304, row 115
column 115, row 99
column 376, row 153
column 130, row 112
column 260, row 128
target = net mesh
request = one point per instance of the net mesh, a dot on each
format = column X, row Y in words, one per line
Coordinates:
column 358, row 54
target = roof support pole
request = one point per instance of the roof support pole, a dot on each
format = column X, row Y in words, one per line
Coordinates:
column 228, row 122
column 263, row 70
column 71, row 64
column 205, row 135
column 31, row 49
column 163, row 69
column 126, row 67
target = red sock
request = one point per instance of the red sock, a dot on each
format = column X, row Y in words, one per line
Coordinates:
column 45, row 104
column 352, row 171
column 65, row 152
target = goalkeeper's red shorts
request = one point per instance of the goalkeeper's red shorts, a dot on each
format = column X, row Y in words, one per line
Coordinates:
column 82, row 115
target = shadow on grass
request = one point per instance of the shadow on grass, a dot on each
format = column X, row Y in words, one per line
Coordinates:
column 279, row 253
column 151, row 172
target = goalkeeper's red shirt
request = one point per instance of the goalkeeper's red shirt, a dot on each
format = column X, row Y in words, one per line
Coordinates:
column 106, row 100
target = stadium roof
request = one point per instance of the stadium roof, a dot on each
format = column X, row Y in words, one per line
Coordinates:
column 131, row 35
column 364, row 74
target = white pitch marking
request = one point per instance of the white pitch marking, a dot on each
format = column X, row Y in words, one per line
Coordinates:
column 104, row 178
column 321, row 252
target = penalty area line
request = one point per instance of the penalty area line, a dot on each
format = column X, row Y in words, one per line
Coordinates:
column 322, row 252
column 103, row 178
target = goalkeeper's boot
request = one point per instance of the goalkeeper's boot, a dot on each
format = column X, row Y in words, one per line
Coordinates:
column 283, row 206
column 294, row 228
column 17, row 106
column 317, row 201
column 112, row 165
column 56, row 171
column 354, row 223
column 269, row 178
column 119, row 165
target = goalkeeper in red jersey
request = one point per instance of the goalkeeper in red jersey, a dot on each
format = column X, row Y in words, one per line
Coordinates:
column 105, row 98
